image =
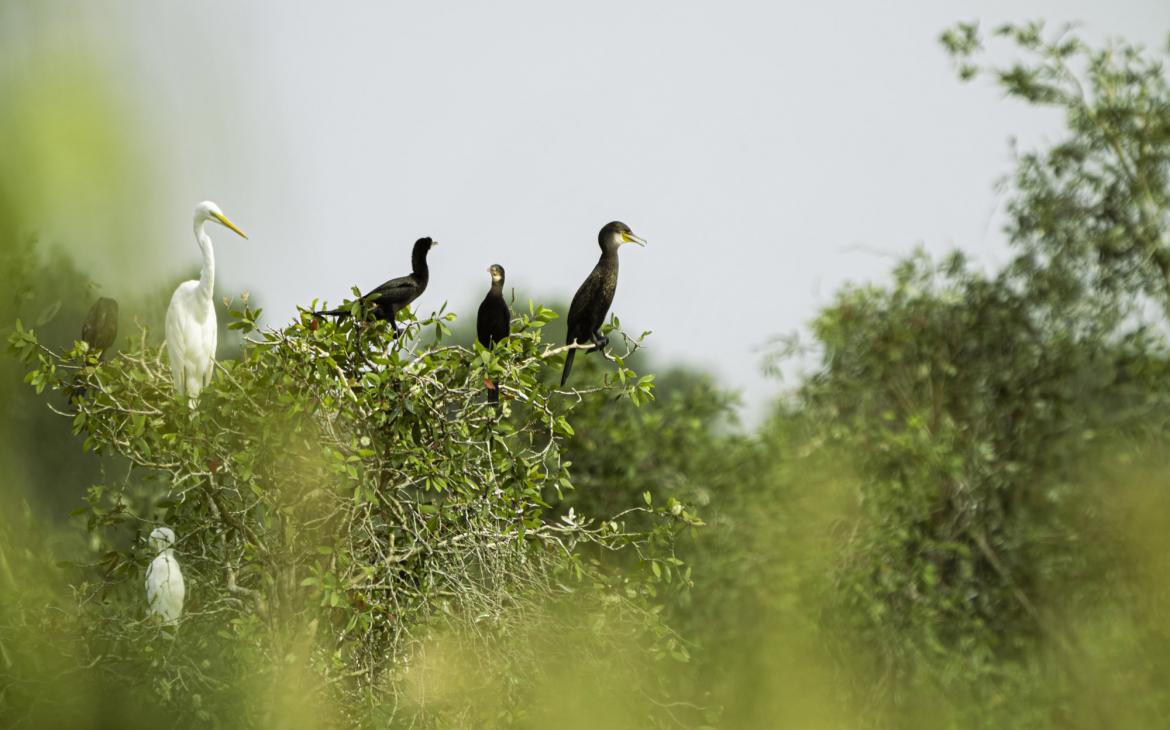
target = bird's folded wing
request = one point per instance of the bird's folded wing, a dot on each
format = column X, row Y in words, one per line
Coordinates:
column 394, row 286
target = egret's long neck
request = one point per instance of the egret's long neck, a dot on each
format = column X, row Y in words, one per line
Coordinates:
column 207, row 276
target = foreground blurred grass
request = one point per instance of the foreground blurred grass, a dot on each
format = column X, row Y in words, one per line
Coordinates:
column 787, row 663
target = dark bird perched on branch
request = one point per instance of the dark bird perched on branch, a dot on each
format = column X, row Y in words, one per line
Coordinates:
column 99, row 331
column 494, row 320
column 101, row 325
column 395, row 294
column 591, row 302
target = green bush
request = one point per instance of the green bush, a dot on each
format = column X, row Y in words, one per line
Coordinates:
column 342, row 499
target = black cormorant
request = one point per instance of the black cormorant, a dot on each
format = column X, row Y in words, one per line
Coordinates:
column 101, row 325
column 494, row 319
column 591, row 302
column 395, row 294
column 99, row 331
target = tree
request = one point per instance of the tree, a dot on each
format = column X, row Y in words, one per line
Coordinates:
column 341, row 499
column 977, row 414
column 1089, row 215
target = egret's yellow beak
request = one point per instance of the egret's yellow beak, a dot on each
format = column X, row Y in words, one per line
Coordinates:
column 631, row 238
column 224, row 220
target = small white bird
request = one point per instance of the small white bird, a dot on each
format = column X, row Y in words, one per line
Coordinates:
column 165, row 590
column 191, row 326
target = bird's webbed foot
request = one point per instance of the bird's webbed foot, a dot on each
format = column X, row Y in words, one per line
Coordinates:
column 600, row 342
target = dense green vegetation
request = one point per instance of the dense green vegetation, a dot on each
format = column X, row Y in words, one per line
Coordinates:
column 960, row 519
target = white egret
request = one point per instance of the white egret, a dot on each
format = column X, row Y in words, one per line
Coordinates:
column 165, row 590
column 191, row 325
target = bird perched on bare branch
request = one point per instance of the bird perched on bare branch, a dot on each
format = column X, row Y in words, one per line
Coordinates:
column 592, row 301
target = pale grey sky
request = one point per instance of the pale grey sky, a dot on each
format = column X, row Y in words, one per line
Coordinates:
column 765, row 149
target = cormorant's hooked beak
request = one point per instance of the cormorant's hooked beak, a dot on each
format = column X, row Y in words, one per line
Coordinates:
column 224, row 220
column 631, row 238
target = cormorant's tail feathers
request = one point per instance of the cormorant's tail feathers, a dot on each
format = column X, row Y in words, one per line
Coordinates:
column 568, row 367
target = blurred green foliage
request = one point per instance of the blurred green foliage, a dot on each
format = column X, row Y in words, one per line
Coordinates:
column 960, row 520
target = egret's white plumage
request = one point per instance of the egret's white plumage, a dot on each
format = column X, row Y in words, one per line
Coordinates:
column 191, row 325
column 165, row 590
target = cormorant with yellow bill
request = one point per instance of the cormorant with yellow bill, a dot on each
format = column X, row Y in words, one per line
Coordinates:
column 591, row 302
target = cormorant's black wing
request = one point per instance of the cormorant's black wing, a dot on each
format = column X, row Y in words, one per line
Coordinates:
column 101, row 324
column 580, row 322
column 398, row 291
column 588, row 309
column 493, row 321
column 89, row 332
column 578, row 308
column 395, row 293
column 579, row 325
